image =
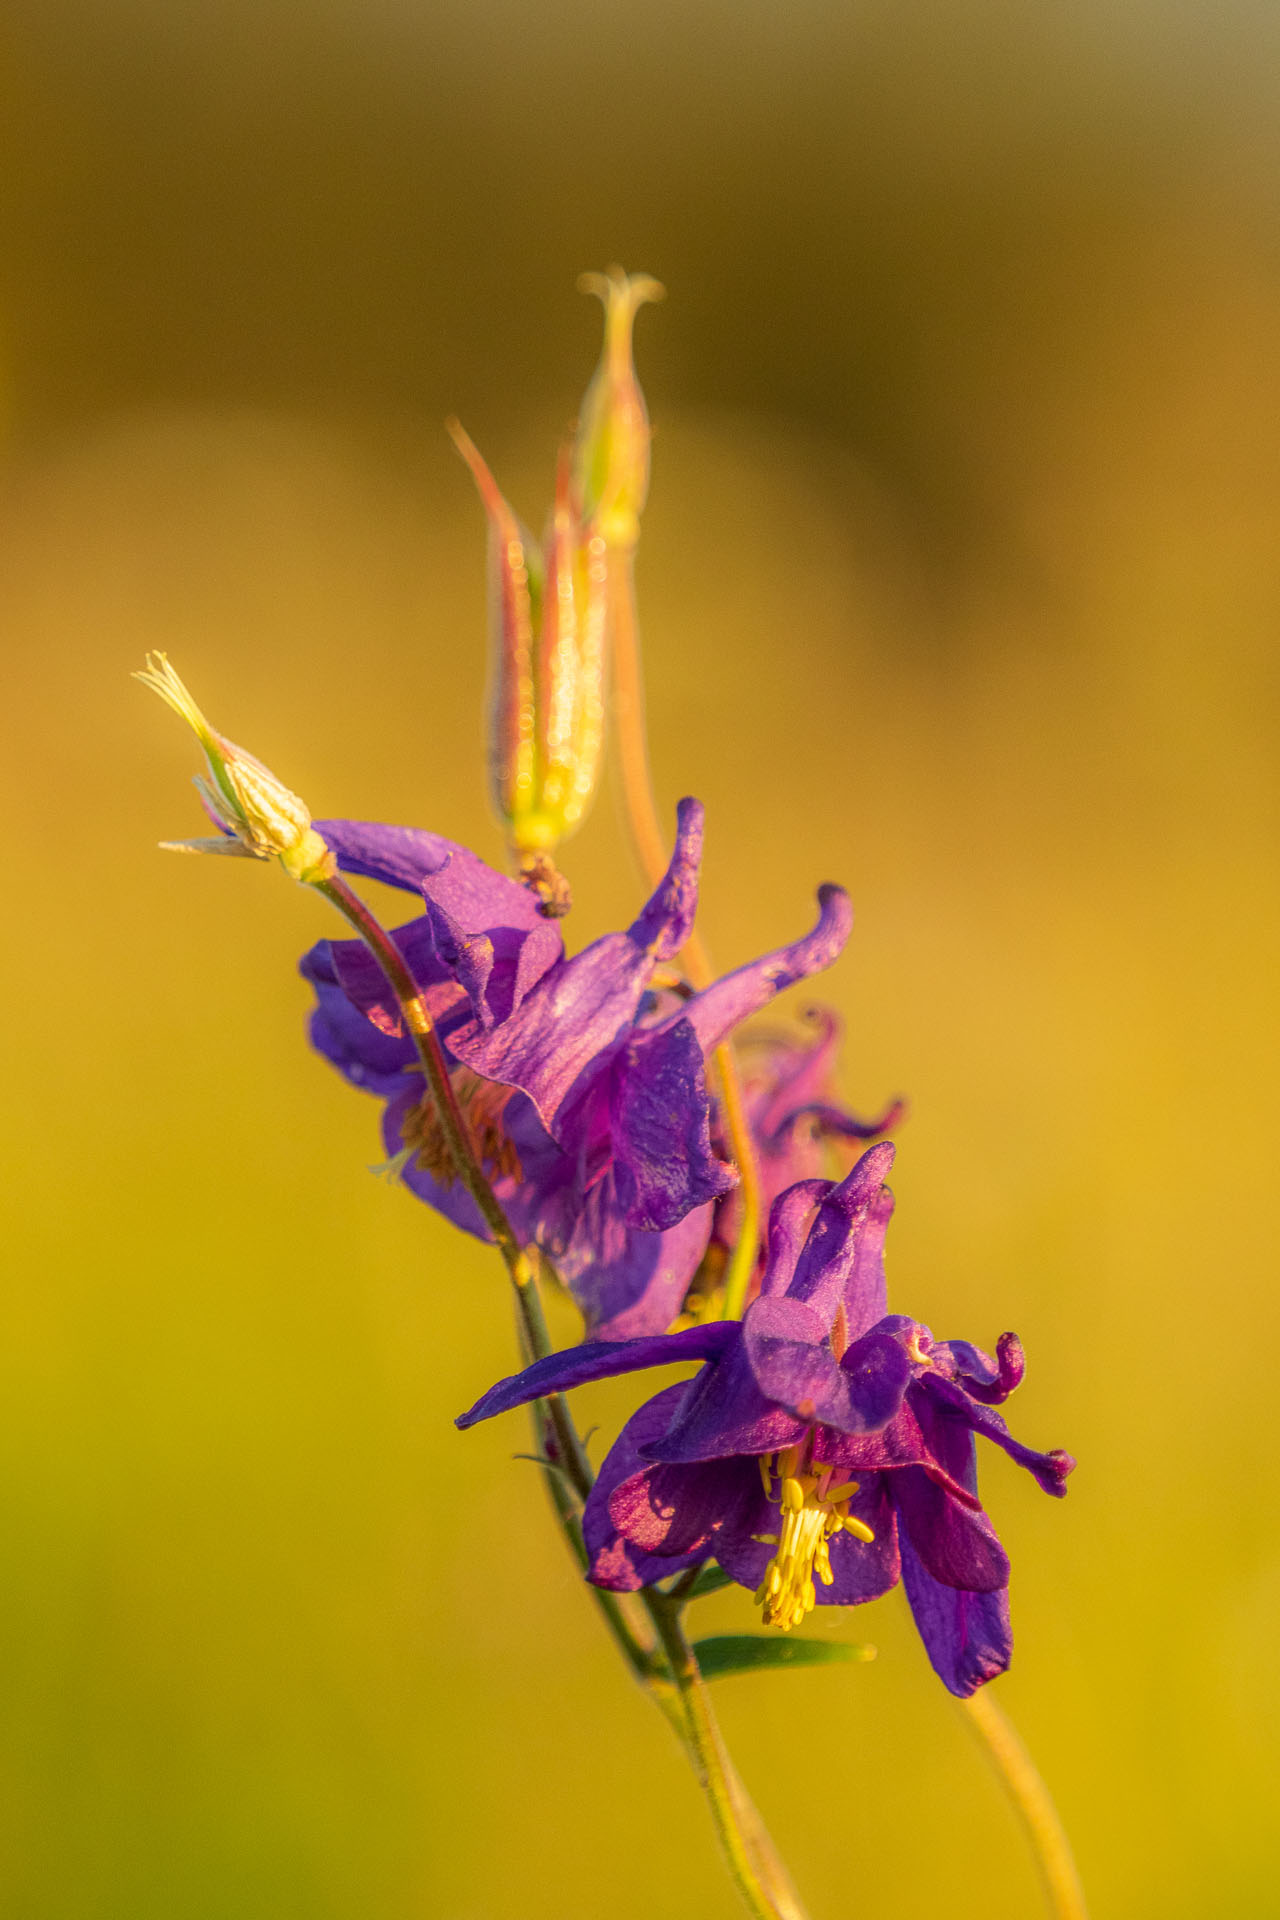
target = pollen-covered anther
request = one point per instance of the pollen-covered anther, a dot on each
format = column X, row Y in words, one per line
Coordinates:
column 812, row 1511
column 483, row 1104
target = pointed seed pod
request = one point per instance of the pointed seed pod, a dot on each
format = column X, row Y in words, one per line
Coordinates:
column 546, row 706
column 611, row 447
column 264, row 819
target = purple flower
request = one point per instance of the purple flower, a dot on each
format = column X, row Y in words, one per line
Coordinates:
column 825, row 1448
column 583, row 1078
column 799, row 1128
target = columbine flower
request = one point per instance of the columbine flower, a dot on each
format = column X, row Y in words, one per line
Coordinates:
column 586, row 1087
column 799, row 1127
column 256, row 812
column 823, row 1451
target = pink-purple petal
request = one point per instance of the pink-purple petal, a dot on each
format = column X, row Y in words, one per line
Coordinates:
column 563, row 1034
column 410, row 857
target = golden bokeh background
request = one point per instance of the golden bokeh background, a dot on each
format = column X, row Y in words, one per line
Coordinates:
column 960, row 584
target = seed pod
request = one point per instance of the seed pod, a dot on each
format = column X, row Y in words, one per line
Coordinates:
column 547, row 625
column 611, row 447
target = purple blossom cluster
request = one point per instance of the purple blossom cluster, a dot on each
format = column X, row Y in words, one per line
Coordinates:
column 825, row 1448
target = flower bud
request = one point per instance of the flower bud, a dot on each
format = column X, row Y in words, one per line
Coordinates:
column 547, row 619
column 611, row 448
column 242, row 796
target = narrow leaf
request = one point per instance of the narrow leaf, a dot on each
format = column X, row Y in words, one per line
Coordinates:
column 710, row 1580
column 725, row 1653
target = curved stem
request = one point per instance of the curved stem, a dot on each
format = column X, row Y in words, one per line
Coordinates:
column 757, row 1872
column 679, row 1691
column 1033, row 1803
column 651, row 854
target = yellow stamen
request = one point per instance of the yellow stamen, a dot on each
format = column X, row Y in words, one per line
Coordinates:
column 483, row 1103
column 811, row 1515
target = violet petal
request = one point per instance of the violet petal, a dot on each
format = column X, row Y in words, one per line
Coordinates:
column 660, row 1128
column 614, row 1562
column 955, row 1543
column 668, row 1510
column 790, row 1219
column 966, row 1635
column 627, row 1281
column 720, row 1007
column 598, row 1360
column 828, row 1266
column 665, row 923
column 725, row 1412
column 1050, row 1470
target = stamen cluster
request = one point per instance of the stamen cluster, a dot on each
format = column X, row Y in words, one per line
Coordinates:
column 811, row 1511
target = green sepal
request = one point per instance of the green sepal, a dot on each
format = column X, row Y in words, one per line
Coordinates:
column 723, row 1653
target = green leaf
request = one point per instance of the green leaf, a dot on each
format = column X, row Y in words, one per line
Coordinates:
column 710, row 1580
column 723, row 1653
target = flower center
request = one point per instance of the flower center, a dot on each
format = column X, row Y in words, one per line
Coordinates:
column 483, row 1103
column 813, row 1511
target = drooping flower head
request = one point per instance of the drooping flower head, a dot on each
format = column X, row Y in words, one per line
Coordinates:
column 586, row 1090
column 824, row 1450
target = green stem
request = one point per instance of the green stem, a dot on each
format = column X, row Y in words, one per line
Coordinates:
column 1033, row 1804
column 679, row 1694
column 757, row 1872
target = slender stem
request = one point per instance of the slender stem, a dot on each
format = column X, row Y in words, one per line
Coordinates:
column 628, row 709
column 680, row 1693
column 638, row 1657
column 742, row 1261
column 421, row 1027
column 1033, row 1803
column 651, row 853
column 757, row 1872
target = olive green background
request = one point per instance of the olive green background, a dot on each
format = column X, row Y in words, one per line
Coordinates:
column 960, row 585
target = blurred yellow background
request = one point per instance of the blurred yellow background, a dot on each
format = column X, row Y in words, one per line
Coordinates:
column 960, row 585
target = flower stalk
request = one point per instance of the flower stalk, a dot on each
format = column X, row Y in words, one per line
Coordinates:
column 752, row 1860
column 1032, row 1802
